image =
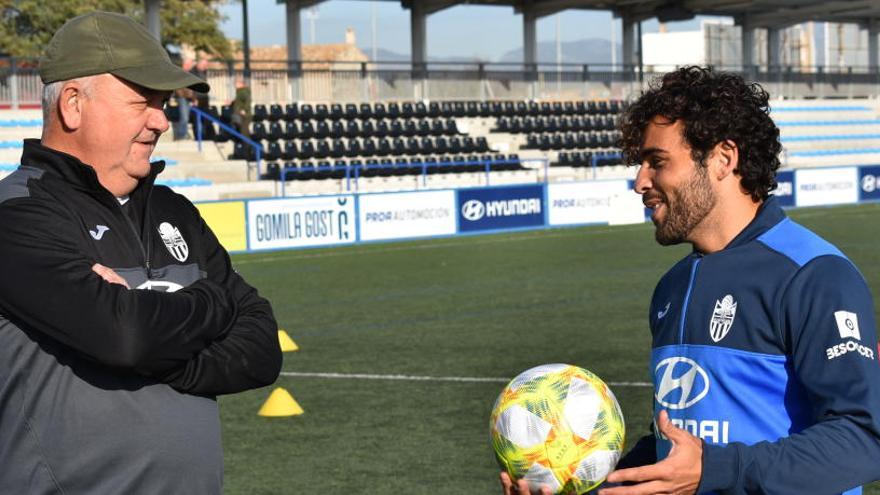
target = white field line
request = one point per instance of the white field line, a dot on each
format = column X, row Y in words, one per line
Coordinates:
column 417, row 378
column 490, row 239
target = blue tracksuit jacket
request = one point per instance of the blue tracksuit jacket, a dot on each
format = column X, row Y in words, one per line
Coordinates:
column 767, row 351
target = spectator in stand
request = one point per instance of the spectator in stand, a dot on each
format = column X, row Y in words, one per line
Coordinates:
column 241, row 108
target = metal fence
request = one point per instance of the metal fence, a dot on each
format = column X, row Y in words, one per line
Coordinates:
column 368, row 81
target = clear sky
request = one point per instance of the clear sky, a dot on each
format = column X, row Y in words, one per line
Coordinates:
column 469, row 31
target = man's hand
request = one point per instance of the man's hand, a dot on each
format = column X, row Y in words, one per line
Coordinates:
column 678, row 474
column 109, row 275
column 521, row 487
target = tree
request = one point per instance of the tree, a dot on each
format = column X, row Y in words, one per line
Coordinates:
column 26, row 26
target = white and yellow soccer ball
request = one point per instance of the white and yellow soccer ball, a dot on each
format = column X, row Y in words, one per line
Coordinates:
column 557, row 425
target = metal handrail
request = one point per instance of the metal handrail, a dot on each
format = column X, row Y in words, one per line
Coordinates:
column 258, row 148
column 283, row 173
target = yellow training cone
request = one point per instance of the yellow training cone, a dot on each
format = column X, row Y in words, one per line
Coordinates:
column 287, row 343
column 280, row 403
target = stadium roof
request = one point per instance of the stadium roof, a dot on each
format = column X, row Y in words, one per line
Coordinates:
column 759, row 13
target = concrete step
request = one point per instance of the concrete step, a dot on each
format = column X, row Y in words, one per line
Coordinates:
column 831, row 144
column 831, row 160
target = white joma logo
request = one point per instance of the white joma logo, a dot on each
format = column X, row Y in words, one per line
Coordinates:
column 99, row 232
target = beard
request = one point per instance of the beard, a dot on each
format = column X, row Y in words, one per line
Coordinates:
column 692, row 203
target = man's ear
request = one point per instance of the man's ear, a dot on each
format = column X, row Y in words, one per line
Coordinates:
column 726, row 159
column 70, row 105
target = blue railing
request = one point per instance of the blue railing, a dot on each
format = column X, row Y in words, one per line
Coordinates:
column 353, row 171
column 258, row 148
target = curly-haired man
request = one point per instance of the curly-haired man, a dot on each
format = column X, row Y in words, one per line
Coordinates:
column 765, row 373
column 764, row 339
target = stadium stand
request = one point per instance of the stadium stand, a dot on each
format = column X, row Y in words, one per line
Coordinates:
column 314, row 142
column 334, row 147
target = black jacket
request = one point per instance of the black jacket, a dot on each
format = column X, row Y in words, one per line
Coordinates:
column 214, row 336
column 105, row 389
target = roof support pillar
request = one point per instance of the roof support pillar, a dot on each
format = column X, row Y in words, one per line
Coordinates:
column 873, row 45
column 294, row 49
column 774, row 47
column 151, row 18
column 294, row 31
column 748, row 46
column 628, row 42
column 530, row 35
column 418, row 34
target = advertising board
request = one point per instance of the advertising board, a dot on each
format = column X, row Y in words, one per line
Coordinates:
column 869, row 183
column 226, row 219
column 406, row 215
column 575, row 203
column 495, row 208
column 301, row 222
column 784, row 191
column 826, row 186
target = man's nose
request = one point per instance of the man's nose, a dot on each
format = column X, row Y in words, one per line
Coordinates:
column 643, row 180
column 157, row 122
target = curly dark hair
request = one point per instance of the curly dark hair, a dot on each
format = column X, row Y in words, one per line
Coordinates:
column 714, row 107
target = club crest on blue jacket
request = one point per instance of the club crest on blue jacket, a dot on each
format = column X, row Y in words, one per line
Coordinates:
column 174, row 241
column 722, row 318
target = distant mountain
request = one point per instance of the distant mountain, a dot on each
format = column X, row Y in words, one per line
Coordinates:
column 384, row 55
column 585, row 51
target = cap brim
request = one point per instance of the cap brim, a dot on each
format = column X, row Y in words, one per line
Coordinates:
column 163, row 77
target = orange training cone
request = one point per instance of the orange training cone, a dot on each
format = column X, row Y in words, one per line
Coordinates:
column 280, row 403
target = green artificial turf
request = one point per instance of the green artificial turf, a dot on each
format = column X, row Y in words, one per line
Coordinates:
column 483, row 307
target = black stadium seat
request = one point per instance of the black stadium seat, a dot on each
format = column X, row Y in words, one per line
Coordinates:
column 393, row 110
column 306, row 130
column 420, row 110
column 260, row 113
column 276, row 113
column 336, row 112
column 273, row 172
column 275, row 131
column 273, row 151
column 291, row 112
column 365, row 111
column 291, row 130
column 351, row 111
column 433, row 109
column 258, row 131
column 291, row 150
column 306, row 112
column 352, row 129
column 321, row 111
column 306, row 150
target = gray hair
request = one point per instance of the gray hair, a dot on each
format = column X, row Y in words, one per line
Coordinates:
column 52, row 91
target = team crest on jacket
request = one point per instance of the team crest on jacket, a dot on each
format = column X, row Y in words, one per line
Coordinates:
column 174, row 241
column 722, row 318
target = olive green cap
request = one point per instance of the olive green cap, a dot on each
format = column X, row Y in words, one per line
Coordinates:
column 104, row 42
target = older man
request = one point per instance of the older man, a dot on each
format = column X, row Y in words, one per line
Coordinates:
column 120, row 315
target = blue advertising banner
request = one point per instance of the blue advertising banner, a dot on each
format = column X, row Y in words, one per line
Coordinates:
column 869, row 183
column 784, row 191
column 500, row 208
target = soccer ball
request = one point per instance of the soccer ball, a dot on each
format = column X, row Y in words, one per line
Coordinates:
column 557, row 425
